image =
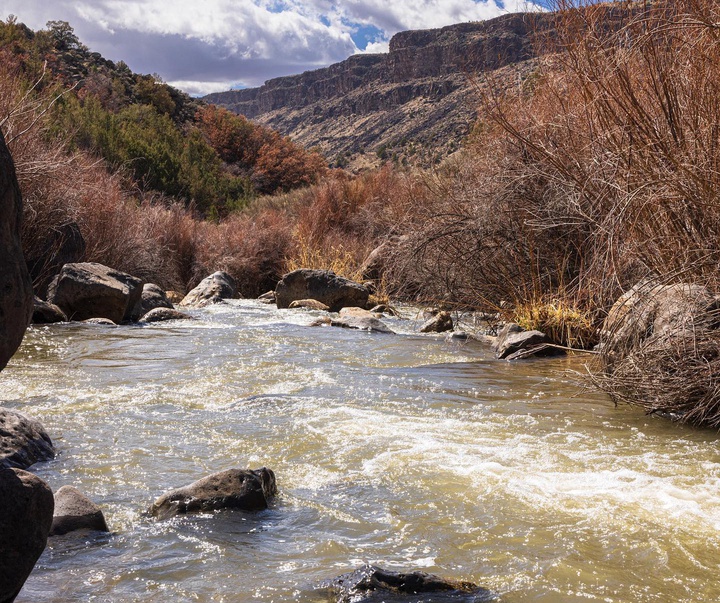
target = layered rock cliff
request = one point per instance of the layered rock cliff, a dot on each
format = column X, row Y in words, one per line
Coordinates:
column 416, row 101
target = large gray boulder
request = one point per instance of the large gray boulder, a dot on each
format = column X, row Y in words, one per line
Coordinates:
column 652, row 314
column 244, row 489
column 26, row 513
column 74, row 511
column 325, row 286
column 16, row 296
column 23, row 440
column 371, row 584
column 211, row 290
column 90, row 290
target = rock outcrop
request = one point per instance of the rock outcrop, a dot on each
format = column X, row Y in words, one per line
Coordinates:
column 90, row 290
column 26, row 513
column 16, row 296
column 211, row 290
column 74, row 511
column 371, row 584
column 23, row 440
column 417, row 100
column 243, row 489
column 336, row 292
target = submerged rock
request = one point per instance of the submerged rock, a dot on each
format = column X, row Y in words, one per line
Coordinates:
column 23, row 440
column 26, row 513
column 244, row 489
column 161, row 314
column 211, row 290
column 103, row 322
column 75, row 511
column 371, row 584
column 325, row 286
column 46, row 313
column 90, row 290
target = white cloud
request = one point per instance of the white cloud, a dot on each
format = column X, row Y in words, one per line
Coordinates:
column 206, row 45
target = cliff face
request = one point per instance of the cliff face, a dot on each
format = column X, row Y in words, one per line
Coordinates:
column 416, row 100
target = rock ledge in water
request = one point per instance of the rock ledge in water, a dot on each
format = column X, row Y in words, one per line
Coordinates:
column 244, row 489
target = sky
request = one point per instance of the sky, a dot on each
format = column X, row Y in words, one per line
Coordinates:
column 203, row 46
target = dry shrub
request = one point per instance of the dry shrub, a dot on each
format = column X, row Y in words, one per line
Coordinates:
column 340, row 220
column 600, row 168
column 678, row 376
column 252, row 248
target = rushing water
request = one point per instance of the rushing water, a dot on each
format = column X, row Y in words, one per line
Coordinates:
column 409, row 451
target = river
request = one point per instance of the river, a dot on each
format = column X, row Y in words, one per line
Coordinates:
column 409, row 451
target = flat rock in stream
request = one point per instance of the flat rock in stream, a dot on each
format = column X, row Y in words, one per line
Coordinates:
column 243, row 489
column 325, row 286
column 363, row 323
column 23, row 440
column 162, row 314
column 371, row 584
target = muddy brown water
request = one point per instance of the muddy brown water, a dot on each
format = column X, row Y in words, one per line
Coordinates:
column 409, row 451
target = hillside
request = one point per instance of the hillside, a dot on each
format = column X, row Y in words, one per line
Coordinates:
column 416, row 102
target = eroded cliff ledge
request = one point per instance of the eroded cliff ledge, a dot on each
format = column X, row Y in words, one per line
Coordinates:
column 415, row 102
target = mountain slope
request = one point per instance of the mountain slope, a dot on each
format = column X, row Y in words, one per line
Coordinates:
column 415, row 102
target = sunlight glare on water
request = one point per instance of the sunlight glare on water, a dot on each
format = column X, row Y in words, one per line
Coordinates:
column 409, row 451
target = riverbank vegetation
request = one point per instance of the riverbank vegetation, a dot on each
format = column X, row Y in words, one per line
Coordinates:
column 600, row 169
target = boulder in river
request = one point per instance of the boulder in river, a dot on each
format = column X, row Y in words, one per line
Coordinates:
column 243, row 489
column 325, row 286
column 371, row 584
column 513, row 343
column 26, row 513
column 23, row 440
column 440, row 323
column 309, row 304
column 46, row 313
column 267, row 297
column 16, row 294
column 162, row 314
column 90, row 290
column 211, row 290
column 651, row 312
column 153, row 297
column 362, row 323
column 74, row 511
